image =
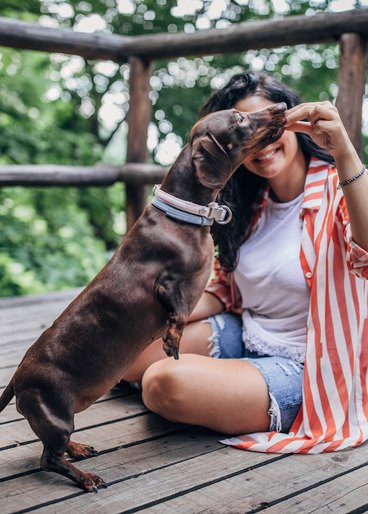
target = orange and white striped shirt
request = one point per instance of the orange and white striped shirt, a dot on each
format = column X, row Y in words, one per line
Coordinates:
column 334, row 411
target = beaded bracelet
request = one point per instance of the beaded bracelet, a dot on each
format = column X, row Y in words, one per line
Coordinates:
column 346, row 182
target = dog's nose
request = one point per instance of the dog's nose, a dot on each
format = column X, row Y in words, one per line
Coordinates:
column 279, row 108
column 278, row 112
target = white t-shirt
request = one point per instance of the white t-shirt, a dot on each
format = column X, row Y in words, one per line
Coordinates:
column 275, row 295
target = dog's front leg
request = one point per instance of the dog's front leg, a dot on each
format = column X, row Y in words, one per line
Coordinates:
column 171, row 297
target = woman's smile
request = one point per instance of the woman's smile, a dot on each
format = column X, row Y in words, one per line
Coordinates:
column 265, row 158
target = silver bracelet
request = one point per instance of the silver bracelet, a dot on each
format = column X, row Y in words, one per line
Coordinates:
column 346, row 182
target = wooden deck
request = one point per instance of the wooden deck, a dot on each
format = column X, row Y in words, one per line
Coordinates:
column 154, row 466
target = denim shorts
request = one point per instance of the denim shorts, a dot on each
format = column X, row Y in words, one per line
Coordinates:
column 283, row 376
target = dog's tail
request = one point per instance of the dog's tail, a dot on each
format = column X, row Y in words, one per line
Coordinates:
column 6, row 396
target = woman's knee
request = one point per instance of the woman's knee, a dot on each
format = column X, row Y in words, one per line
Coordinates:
column 162, row 387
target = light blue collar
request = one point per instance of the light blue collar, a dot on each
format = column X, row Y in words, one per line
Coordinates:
column 189, row 212
column 176, row 214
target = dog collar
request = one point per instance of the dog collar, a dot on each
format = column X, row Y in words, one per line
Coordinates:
column 190, row 212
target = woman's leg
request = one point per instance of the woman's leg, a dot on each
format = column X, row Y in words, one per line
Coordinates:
column 226, row 395
column 195, row 339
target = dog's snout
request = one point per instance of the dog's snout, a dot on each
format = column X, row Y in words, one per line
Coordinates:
column 277, row 109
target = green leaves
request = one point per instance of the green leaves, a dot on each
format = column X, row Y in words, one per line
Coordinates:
column 46, row 241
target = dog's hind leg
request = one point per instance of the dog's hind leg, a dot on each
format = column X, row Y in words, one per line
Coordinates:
column 56, row 461
column 52, row 420
column 172, row 299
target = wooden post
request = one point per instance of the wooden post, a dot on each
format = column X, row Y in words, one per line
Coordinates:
column 351, row 85
column 139, row 116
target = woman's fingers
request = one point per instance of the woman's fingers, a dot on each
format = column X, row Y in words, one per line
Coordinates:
column 300, row 126
column 313, row 111
column 316, row 132
column 324, row 125
column 310, row 128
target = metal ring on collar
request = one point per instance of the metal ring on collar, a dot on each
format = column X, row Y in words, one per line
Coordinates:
column 229, row 216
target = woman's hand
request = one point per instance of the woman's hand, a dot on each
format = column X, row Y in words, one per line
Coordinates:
column 324, row 126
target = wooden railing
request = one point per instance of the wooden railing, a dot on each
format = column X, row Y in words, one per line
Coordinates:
column 349, row 28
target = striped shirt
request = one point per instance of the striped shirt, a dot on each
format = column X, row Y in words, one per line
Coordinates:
column 334, row 411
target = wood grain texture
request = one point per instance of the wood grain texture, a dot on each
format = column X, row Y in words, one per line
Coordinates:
column 351, row 81
column 239, row 37
column 154, row 466
column 138, row 117
column 53, row 175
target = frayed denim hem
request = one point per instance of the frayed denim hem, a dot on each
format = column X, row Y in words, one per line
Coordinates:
column 274, row 408
column 216, row 322
column 275, row 415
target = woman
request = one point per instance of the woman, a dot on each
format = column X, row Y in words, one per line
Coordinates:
column 286, row 314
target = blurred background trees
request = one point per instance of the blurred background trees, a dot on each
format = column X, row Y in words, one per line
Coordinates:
column 65, row 110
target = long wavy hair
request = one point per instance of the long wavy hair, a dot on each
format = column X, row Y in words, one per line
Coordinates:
column 244, row 191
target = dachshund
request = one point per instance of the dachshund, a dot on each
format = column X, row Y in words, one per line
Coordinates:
column 146, row 291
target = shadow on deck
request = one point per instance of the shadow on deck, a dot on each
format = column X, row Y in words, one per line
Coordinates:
column 151, row 465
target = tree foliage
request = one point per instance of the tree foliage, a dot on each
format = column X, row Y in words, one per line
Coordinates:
column 66, row 110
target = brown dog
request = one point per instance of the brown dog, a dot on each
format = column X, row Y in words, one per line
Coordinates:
column 146, row 291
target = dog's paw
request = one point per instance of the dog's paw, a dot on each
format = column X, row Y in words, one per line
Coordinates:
column 171, row 350
column 80, row 451
column 91, row 483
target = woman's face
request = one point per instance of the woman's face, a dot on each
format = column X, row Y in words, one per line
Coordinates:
column 279, row 156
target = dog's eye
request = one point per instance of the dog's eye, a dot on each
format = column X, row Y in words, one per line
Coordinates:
column 239, row 118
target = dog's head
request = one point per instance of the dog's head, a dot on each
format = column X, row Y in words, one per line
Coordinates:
column 223, row 139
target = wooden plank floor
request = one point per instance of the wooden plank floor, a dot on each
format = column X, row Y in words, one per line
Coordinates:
column 154, row 466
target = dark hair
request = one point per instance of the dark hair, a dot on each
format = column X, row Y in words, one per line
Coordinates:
column 243, row 192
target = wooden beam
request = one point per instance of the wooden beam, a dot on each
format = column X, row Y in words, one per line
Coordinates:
column 141, row 174
column 351, row 85
column 253, row 35
column 31, row 36
column 49, row 175
column 239, row 37
column 138, row 118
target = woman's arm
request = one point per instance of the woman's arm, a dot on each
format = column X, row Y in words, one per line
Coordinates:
column 208, row 305
column 327, row 130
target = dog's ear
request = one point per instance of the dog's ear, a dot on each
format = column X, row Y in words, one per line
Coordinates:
column 211, row 163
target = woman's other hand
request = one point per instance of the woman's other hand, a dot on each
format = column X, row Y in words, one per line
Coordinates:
column 323, row 125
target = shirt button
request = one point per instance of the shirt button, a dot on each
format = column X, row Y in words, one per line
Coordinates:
column 308, row 274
